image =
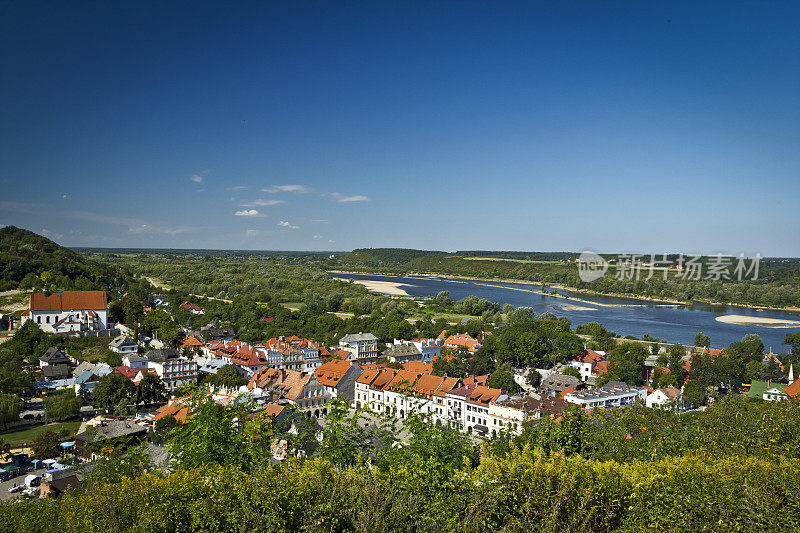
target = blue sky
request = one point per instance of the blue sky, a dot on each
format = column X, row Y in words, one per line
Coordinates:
column 611, row 126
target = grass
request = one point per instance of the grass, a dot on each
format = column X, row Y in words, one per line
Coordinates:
column 18, row 438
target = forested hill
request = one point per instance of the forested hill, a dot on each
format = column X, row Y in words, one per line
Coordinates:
column 28, row 260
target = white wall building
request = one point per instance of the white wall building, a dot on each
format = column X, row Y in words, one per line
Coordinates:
column 68, row 311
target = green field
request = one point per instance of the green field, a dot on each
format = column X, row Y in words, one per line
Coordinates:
column 17, row 438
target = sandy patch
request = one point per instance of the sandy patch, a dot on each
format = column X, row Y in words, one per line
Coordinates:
column 383, row 287
column 570, row 307
column 742, row 320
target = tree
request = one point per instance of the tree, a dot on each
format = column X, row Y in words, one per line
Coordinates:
column 701, row 339
column 533, row 378
column 228, row 377
column 46, row 445
column 572, row 371
column 163, row 428
column 10, row 407
column 695, row 393
column 62, row 405
column 793, row 340
column 502, row 379
column 111, row 390
column 150, row 389
column 626, row 363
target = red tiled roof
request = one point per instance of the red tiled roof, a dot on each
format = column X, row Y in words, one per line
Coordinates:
column 418, row 367
column 793, row 389
column 332, row 372
column 126, row 371
column 191, row 341
column 68, row 301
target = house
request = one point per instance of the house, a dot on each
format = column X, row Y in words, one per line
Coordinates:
column 123, row 345
column 294, row 353
column 290, row 387
column 612, row 394
column 775, row 393
column 135, row 361
column 462, row 340
column 476, row 414
column 115, row 434
column 363, row 347
column 57, row 481
column 509, row 413
column 590, row 364
column 175, row 371
column 401, row 353
column 665, row 397
column 126, row 371
column 215, row 333
column 161, row 299
column 68, row 311
column 53, row 356
column 423, row 350
column 191, row 344
column 192, row 308
column 339, row 378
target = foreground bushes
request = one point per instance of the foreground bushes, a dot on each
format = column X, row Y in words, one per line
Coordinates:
column 520, row 492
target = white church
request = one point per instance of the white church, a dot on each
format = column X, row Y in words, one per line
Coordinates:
column 68, row 311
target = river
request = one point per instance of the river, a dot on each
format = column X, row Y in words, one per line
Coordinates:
column 636, row 317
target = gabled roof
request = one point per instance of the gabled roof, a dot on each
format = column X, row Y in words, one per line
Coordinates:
column 793, row 389
column 402, row 380
column 384, row 377
column 53, row 355
column 68, row 301
column 427, row 384
column 121, row 340
column 368, row 376
column 332, row 372
column 191, row 341
column 446, row 386
column 483, row 395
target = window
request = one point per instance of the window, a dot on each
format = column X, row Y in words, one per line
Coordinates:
column 38, row 320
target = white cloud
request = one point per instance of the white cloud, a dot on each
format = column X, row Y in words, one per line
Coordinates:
column 339, row 197
column 331, row 241
column 238, row 188
column 247, row 213
column 196, row 178
column 297, row 189
column 251, row 233
column 317, row 237
column 262, row 203
column 285, row 224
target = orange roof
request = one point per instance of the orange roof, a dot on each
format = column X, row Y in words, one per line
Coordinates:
column 402, row 380
column 427, row 384
column 447, row 385
column 601, row 367
column 69, row 301
column 191, row 341
column 566, row 391
column 383, row 378
column 793, row 389
column 176, row 409
column 462, row 339
column 368, row 376
column 418, row 367
column 482, row 395
column 332, row 372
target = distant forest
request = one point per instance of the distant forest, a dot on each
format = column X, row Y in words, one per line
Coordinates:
column 778, row 283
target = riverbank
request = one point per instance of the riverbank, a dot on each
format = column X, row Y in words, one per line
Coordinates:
column 763, row 321
column 390, row 288
column 584, row 292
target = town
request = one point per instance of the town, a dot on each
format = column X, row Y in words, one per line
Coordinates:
column 157, row 385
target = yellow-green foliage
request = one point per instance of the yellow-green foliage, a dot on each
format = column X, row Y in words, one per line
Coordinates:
column 523, row 491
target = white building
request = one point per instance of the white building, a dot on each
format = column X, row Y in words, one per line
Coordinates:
column 664, row 398
column 68, row 311
column 613, row 394
column 123, row 345
column 363, row 347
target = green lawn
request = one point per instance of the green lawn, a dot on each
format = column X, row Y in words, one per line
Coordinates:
column 17, row 438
